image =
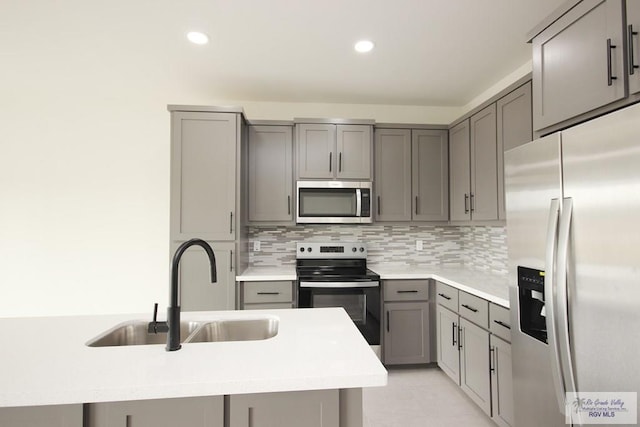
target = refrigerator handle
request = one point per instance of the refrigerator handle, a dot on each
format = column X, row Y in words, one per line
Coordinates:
column 562, row 296
column 549, row 301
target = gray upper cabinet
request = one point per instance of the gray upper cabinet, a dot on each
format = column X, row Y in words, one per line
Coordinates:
column 484, row 165
column 328, row 151
column 392, row 175
column 270, row 174
column 460, row 172
column 203, row 175
column 633, row 40
column 578, row 62
column 430, row 173
column 515, row 127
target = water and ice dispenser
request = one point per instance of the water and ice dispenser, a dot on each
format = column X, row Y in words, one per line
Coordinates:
column 532, row 308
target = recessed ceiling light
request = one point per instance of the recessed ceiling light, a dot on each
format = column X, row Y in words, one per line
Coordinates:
column 197, row 37
column 364, row 46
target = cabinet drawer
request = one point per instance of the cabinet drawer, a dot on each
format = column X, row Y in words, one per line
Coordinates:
column 447, row 296
column 500, row 321
column 268, row 292
column 268, row 306
column 474, row 309
column 406, row 290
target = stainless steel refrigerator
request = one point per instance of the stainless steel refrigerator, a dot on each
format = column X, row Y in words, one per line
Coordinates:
column 573, row 235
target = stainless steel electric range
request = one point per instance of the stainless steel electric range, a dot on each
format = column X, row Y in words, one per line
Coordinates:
column 336, row 275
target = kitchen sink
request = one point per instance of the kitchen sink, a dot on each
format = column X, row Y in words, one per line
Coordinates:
column 135, row 332
column 236, row 330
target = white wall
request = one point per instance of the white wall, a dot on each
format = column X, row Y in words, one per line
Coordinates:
column 84, row 166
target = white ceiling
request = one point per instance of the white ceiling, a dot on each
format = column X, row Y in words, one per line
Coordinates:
column 428, row 52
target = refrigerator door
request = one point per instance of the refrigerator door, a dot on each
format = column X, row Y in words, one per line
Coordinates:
column 602, row 179
column 533, row 181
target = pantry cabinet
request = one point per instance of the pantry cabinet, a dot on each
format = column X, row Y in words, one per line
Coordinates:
column 406, row 337
column 330, row 151
column 203, row 175
column 579, row 62
column 317, row 408
column 42, row 416
column 197, row 291
column 270, row 174
column 192, row 412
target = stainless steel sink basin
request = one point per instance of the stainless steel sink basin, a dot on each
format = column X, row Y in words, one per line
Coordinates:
column 236, row 330
column 135, row 333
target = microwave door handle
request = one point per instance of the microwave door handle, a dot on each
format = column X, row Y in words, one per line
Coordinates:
column 358, row 202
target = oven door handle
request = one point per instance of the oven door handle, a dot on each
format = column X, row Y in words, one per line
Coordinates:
column 337, row 285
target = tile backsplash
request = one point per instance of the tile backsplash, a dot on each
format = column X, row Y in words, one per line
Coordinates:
column 479, row 247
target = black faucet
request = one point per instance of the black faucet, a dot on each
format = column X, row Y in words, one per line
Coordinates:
column 173, row 312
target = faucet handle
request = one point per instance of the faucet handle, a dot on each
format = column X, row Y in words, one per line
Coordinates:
column 155, row 326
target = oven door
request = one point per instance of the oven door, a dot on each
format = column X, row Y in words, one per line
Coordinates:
column 361, row 301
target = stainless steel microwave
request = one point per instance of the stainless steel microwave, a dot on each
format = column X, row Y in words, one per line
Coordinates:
column 333, row 202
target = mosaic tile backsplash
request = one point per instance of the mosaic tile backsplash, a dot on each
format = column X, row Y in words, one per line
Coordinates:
column 478, row 247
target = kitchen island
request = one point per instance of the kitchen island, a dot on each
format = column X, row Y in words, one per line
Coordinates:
column 45, row 361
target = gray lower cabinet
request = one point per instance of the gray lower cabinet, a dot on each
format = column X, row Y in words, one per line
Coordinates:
column 203, row 175
column 447, row 323
column 592, row 76
column 515, row 127
column 270, row 174
column 42, row 416
column 187, row 412
column 474, row 364
column 267, row 295
column 501, row 382
column 392, row 175
column 329, row 151
column 197, row 291
column 317, row 408
column 459, row 172
column 633, row 40
column 406, row 337
column 430, row 175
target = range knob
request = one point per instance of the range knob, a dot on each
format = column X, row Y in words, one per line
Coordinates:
column 354, row 249
column 361, row 249
column 301, row 249
column 309, row 249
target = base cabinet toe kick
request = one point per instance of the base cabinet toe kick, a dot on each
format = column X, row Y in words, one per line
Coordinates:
column 322, row 408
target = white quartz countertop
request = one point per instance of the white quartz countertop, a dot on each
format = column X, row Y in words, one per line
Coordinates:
column 256, row 274
column 44, row 360
column 492, row 287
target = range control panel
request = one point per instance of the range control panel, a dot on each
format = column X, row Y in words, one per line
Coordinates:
column 331, row 250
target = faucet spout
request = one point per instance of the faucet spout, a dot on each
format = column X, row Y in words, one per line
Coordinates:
column 173, row 312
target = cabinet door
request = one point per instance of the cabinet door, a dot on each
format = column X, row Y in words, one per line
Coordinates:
column 203, row 175
column 515, row 127
column 633, row 28
column 316, row 408
column 197, row 293
column 42, row 416
column 501, row 383
column 354, row 151
column 406, row 334
column 574, row 71
column 484, row 165
column 393, row 174
column 459, row 172
column 316, row 150
column 430, row 175
column 192, row 412
column 474, row 364
column 447, row 342
column 270, row 173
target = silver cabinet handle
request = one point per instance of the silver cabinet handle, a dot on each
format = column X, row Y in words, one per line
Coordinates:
column 501, row 323
column 453, row 334
column 445, row 297
column 610, row 76
column 475, row 310
column 459, row 338
column 492, row 362
column 466, row 203
column 632, row 65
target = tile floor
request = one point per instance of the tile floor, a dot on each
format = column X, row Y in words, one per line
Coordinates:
column 421, row 397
